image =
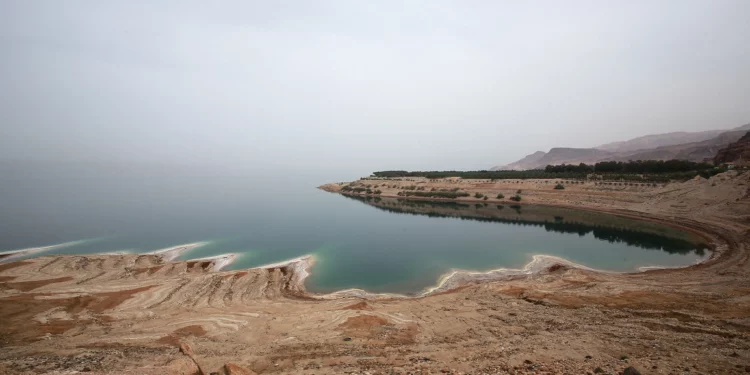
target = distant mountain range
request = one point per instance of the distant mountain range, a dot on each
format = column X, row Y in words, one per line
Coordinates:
column 660, row 140
column 693, row 146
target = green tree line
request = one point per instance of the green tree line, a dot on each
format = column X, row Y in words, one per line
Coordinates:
column 638, row 170
column 632, row 166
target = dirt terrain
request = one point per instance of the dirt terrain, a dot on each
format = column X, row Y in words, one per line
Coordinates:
column 141, row 314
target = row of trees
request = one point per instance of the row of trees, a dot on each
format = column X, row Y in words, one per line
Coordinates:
column 479, row 175
column 651, row 170
column 632, row 167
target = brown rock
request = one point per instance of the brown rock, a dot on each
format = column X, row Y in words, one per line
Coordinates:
column 186, row 349
column 233, row 369
column 183, row 366
column 631, row 371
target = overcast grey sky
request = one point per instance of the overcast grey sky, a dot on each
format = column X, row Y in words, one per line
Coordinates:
column 359, row 86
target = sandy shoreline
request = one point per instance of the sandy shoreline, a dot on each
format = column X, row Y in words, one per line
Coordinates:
column 169, row 254
column 172, row 253
column 302, row 266
column 11, row 255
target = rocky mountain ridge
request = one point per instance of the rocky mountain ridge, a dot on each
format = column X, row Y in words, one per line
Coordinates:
column 735, row 151
column 697, row 147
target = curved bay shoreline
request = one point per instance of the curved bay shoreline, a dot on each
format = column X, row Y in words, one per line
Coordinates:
column 301, row 267
column 455, row 278
column 132, row 310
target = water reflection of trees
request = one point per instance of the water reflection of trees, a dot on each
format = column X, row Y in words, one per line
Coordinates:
column 610, row 234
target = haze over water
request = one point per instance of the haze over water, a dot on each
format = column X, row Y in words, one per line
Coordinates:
column 274, row 216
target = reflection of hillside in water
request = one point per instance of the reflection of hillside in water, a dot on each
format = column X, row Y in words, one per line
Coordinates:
column 604, row 227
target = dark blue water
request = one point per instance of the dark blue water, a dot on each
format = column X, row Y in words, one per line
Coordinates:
column 269, row 216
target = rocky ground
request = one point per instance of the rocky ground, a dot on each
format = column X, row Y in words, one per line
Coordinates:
column 139, row 314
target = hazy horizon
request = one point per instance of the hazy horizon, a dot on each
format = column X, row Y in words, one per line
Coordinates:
column 349, row 88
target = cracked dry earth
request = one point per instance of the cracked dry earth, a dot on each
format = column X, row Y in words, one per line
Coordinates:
column 137, row 314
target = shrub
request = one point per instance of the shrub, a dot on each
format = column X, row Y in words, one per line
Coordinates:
column 485, row 197
column 500, row 196
column 378, row 192
column 518, row 191
column 559, row 187
column 478, row 195
column 516, row 198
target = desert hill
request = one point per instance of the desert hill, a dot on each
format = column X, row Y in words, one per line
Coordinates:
column 735, row 151
column 659, row 140
column 695, row 146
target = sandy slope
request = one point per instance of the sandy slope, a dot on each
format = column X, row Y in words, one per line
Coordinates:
column 129, row 313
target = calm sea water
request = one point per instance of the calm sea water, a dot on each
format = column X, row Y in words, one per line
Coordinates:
column 384, row 245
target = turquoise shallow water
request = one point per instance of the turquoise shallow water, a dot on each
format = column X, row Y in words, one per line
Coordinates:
column 385, row 245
